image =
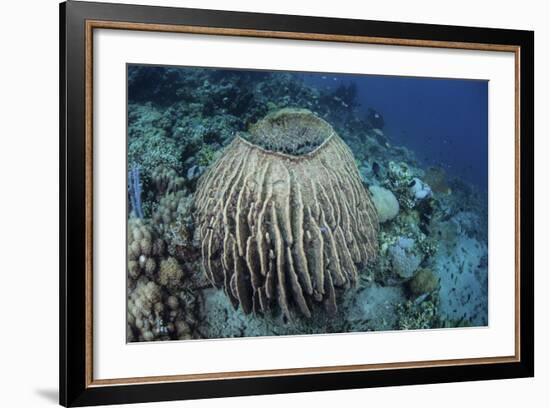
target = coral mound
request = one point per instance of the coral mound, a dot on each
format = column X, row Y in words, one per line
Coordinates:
column 424, row 281
column 283, row 217
column 385, row 202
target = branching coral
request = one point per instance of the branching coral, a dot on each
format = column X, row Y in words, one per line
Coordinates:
column 173, row 219
column 167, row 180
column 283, row 216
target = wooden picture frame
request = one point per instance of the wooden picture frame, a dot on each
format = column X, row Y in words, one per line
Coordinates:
column 78, row 20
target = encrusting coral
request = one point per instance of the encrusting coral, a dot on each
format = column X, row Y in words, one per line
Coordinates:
column 283, row 216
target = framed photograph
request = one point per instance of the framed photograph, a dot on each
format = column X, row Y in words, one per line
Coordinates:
column 256, row 204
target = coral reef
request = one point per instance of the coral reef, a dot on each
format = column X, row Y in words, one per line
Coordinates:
column 399, row 179
column 412, row 315
column 424, row 281
column 436, row 178
column 237, row 145
column 173, row 219
column 170, row 273
column 385, row 202
column 287, row 225
column 144, row 247
column 404, row 258
column 144, row 308
column 155, row 314
column 166, row 180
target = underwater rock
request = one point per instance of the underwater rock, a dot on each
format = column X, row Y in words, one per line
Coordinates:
column 283, row 217
column 424, row 281
column 376, row 169
column 376, row 120
column 194, row 172
column 404, row 259
column 385, row 202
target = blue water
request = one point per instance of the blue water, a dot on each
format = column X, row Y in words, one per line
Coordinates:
column 443, row 120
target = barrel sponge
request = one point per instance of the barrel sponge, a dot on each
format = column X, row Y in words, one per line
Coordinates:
column 283, row 217
column 385, row 202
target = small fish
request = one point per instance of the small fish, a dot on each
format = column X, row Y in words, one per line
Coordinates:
column 376, row 168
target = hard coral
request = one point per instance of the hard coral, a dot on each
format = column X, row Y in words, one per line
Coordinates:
column 170, row 273
column 173, row 220
column 283, row 216
column 155, row 314
column 424, row 281
column 144, row 309
column 167, row 180
column 144, row 246
column 414, row 316
column 404, row 259
column 385, row 202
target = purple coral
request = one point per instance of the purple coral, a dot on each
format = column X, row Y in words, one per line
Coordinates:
column 134, row 190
